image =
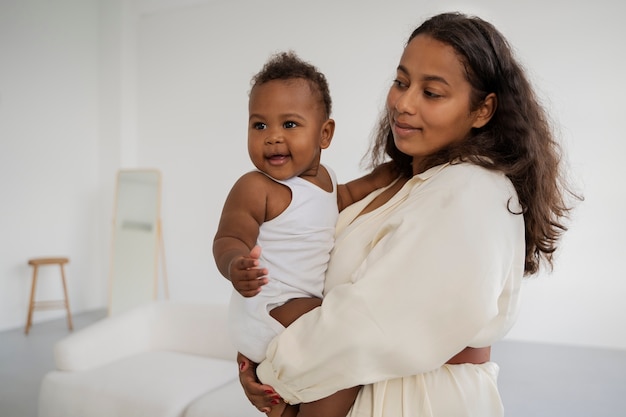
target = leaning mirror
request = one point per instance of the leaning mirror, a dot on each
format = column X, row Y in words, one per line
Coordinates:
column 137, row 241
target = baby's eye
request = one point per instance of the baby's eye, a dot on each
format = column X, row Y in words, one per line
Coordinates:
column 259, row 126
column 290, row 125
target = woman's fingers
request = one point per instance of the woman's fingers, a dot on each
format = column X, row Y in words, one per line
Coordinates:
column 262, row 396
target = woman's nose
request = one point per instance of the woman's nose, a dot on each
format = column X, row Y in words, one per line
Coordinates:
column 405, row 103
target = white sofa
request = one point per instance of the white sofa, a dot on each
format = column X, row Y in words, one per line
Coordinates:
column 162, row 359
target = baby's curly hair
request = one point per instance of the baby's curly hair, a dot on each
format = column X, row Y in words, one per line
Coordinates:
column 288, row 66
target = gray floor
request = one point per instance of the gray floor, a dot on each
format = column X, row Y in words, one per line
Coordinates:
column 536, row 380
column 24, row 360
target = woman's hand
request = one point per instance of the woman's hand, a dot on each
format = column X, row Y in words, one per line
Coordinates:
column 263, row 397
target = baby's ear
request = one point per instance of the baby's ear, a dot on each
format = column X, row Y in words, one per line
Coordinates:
column 328, row 130
column 485, row 110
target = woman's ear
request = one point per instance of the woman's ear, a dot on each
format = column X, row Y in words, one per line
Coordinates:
column 485, row 110
column 328, row 130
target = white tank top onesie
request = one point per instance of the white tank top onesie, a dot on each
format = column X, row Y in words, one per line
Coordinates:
column 295, row 248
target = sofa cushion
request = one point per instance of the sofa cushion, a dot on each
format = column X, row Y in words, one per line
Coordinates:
column 150, row 384
column 226, row 401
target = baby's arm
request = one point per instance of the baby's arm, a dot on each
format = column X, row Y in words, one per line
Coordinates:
column 359, row 188
column 234, row 248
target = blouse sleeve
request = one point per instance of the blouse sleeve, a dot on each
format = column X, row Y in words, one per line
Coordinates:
column 441, row 275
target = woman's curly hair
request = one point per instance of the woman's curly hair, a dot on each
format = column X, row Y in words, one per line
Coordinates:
column 518, row 140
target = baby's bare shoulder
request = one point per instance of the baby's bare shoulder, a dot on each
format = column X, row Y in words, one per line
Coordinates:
column 257, row 181
column 257, row 189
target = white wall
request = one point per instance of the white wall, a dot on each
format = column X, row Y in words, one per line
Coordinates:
column 183, row 68
column 49, row 184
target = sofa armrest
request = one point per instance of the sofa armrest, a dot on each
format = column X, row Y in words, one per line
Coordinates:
column 197, row 329
column 200, row 329
column 107, row 340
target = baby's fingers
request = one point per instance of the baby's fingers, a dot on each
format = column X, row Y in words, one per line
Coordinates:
column 245, row 263
column 250, row 288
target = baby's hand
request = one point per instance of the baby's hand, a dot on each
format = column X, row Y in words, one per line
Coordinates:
column 246, row 275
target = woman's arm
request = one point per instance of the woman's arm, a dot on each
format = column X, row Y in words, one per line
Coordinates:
column 441, row 275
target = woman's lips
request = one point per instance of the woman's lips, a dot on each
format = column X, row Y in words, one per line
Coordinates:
column 403, row 129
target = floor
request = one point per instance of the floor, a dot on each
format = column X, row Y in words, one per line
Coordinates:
column 535, row 380
column 538, row 380
column 24, row 360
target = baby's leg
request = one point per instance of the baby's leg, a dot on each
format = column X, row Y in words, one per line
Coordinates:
column 294, row 308
column 336, row 405
column 283, row 410
column 287, row 314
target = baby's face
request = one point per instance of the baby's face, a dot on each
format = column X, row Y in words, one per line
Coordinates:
column 287, row 128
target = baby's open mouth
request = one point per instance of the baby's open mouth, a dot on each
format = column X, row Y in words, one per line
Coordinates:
column 277, row 158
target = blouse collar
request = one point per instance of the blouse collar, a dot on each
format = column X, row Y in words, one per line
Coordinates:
column 423, row 176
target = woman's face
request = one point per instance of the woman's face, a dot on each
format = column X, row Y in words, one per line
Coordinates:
column 429, row 103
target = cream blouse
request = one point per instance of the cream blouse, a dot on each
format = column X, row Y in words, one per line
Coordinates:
column 435, row 269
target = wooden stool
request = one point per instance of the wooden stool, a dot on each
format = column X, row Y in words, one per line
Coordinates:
column 43, row 305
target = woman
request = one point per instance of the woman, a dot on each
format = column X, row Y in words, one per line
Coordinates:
column 425, row 273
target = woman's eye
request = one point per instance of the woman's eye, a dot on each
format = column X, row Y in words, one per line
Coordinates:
column 399, row 84
column 259, row 126
column 430, row 94
column 289, row 125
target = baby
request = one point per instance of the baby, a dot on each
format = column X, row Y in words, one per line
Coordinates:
column 288, row 207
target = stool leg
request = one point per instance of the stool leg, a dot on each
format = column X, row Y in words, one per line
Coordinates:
column 31, row 305
column 67, row 300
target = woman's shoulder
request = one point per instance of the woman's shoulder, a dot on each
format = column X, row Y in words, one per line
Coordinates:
column 475, row 181
column 468, row 172
column 467, row 187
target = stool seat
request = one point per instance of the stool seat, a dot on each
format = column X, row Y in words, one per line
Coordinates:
column 48, row 261
column 41, row 305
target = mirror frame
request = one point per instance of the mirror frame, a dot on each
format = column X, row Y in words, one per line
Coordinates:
column 137, row 243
